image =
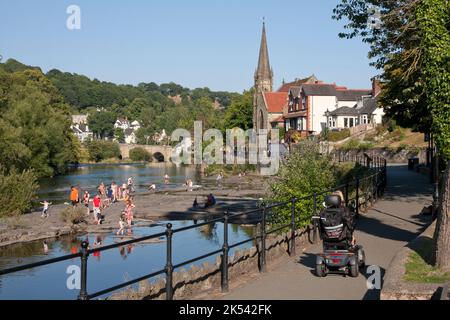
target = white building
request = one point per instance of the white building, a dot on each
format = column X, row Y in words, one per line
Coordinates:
column 80, row 127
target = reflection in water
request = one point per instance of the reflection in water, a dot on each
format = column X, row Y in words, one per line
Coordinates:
column 107, row 268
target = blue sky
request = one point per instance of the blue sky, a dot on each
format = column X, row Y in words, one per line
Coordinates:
column 196, row 43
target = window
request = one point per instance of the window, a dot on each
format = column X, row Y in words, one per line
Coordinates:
column 345, row 122
column 352, row 122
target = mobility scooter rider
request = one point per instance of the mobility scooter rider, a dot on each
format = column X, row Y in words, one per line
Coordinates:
column 336, row 225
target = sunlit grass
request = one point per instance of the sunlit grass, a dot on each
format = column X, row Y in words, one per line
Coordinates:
column 419, row 268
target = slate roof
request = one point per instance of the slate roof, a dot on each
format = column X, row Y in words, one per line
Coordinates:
column 345, row 111
column 319, row 89
column 297, row 83
column 352, row 95
column 369, row 105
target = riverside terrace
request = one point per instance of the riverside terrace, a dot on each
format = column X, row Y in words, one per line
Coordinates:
column 357, row 193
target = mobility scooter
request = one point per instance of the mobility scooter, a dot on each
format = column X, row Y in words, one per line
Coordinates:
column 336, row 224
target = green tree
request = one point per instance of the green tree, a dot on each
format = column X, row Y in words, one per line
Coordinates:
column 305, row 171
column 240, row 112
column 35, row 130
column 433, row 20
column 100, row 150
column 102, row 124
column 412, row 46
column 140, row 154
column 119, row 135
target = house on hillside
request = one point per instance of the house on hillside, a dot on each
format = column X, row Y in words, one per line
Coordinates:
column 80, row 128
column 130, row 136
column 129, row 129
column 366, row 111
column 122, row 123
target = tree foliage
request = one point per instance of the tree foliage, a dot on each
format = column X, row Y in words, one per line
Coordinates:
column 140, row 154
column 305, row 171
column 34, row 125
column 240, row 112
column 102, row 150
column 17, row 190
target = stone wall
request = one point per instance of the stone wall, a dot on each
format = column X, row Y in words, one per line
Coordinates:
column 189, row 284
column 392, row 156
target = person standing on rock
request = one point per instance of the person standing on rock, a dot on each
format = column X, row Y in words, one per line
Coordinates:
column 46, row 204
column 166, row 179
column 74, row 198
column 97, row 202
column 86, row 199
column 129, row 213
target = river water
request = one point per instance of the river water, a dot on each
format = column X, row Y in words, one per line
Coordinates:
column 115, row 266
column 88, row 177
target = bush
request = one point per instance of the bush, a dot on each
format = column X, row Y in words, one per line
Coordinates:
column 74, row 215
column 352, row 144
column 100, row 150
column 17, row 190
column 306, row 170
column 140, row 154
column 355, row 144
column 334, row 136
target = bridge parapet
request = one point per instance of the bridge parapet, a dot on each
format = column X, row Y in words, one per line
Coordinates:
column 159, row 153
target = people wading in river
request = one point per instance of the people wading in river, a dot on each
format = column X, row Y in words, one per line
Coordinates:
column 86, row 198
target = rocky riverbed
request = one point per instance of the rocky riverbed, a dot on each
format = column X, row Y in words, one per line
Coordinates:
column 237, row 194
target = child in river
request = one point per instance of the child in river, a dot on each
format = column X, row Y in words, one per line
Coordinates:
column 121, row 230
column 46, row 205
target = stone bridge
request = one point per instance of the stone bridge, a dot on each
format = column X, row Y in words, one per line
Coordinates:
column 159, row 153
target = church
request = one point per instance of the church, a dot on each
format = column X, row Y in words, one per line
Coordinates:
column 309, row 105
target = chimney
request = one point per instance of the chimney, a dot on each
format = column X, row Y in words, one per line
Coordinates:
column 376, row 86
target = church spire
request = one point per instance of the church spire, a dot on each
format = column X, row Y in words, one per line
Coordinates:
column 264, row 74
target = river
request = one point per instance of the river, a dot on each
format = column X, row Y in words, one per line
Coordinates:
column 114, row 266
column 88, row 177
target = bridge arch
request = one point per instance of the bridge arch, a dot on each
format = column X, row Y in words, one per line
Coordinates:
column 159, row 157
column 159, row 153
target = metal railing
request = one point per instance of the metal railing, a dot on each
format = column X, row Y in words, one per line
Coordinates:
column 364, row 189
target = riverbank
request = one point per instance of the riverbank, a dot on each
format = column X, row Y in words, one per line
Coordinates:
column 237, row 194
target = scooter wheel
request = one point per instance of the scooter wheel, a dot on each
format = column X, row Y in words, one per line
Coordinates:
column 354, row 271
column 321, row 271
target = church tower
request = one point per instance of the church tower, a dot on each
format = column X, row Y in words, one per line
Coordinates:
column 263, row 83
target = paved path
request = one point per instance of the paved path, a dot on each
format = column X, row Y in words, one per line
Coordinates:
column 392, row 223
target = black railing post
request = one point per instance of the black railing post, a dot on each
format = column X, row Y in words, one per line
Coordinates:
column 293, row 227
column 346, row 194
column 315, row 226
column 84, row 260
column 375, row 194
column 357, row 197
column 225, row 254
column 263, row 240
column 169, row 265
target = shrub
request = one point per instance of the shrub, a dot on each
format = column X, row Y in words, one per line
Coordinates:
column 140, row 154
column 74, row 215
column 100, row 150
column 352, row 144
column 306, row 170
column 17, row 190
column 334, row 136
